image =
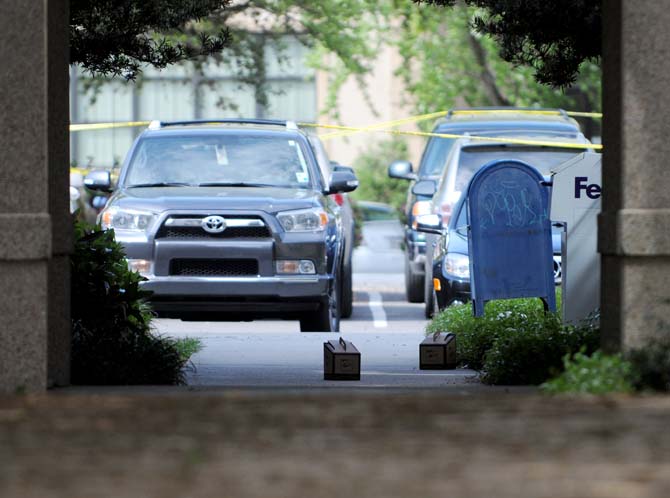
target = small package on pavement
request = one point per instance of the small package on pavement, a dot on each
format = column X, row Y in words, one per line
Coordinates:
column 341, row 361
column 438, row 352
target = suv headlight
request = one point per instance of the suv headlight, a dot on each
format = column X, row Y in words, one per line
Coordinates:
column 457, row 265
column 304, row 220
column 127, row 219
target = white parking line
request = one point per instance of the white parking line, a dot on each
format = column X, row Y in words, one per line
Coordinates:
column 377, row 308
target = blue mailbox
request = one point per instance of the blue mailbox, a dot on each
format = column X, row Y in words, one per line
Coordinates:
column 509, row 234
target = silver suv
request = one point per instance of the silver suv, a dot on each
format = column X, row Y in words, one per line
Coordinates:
column 231, row 220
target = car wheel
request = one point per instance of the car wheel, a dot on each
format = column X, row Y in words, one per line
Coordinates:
column 347, row 292
column 413, row 284
column 327, row 317
column 428, row 297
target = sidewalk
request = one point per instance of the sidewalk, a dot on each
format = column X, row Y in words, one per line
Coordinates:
column 266, row 444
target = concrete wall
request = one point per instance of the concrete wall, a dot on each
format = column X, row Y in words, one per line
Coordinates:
column 634, row 235
column 34, row 216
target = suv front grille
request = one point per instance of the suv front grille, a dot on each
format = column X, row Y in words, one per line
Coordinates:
column 214, row 267
column 238, row 227
column 199, row 233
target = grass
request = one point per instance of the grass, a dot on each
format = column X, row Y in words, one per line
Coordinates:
column 187, row 347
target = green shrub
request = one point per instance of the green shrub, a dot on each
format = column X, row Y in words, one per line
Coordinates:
column 531, row 356
column 595, row 374
column 651, row 364
column 476, row 336
column 112, row 341
column 515, row 342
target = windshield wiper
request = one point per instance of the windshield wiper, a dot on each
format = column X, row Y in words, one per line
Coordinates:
column 160, row 184
column 236, row 184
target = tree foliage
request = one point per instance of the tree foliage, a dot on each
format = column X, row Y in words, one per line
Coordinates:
column 340, row 34
column 448, row 63
column 555, row 38
column 449, row 59
column 118, row 37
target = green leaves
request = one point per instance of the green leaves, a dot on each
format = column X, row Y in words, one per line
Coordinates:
column 515, row 342
column 112, row 340
column 595, row 374
column 553, row 38
column 448, row 63
column 118, row 37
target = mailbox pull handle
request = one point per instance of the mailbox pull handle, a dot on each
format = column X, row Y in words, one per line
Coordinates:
column 436, row 335
column 343, row 343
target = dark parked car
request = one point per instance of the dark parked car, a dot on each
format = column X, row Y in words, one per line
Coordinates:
column 448, row 259
column 231, row 220
column 479, row 121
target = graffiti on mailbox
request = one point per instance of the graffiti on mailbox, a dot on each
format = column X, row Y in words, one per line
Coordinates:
column 509, row 203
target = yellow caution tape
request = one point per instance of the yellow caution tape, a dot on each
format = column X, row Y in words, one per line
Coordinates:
column 106, row 126
column 387, row 124
column 585, row 114
column 518, row 141
column 383, row 127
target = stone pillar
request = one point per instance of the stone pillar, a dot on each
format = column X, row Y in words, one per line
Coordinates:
column 34, row 221
column 634, row 232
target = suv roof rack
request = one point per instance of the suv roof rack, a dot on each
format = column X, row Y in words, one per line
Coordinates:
column 520, row 110
column 289, row 125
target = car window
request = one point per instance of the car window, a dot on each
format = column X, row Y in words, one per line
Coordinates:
column 437, row 149
column 465, row 161
column 193, row 159
column 435, row 157
column 542, row 158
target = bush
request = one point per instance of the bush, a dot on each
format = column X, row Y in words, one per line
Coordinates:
column 652, row 365
column 595, row 374
column 515, row 342
column 532, row 356
column 476, row 336
column 112, row 341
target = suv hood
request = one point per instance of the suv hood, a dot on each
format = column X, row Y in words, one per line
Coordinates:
column 268, row 199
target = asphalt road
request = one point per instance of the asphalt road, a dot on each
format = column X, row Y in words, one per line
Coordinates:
column 274, row 353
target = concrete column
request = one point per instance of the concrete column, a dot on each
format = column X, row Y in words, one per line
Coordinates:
column 634, row 234
column 35, row 229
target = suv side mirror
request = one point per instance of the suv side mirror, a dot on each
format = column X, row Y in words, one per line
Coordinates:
column 401, row 170
column 429, row 223
column 342, row 181
column 99, row 180
column 341, row 167
column 426, row 188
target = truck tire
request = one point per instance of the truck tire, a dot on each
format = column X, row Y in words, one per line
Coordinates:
column 327, row 317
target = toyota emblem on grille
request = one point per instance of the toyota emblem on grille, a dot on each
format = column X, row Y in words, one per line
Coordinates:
column 213, row 224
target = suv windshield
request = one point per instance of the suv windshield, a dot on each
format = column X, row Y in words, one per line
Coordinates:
column 219, row 160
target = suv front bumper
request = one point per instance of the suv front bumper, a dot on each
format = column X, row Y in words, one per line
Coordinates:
column 236, row 297
column 284, row 286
